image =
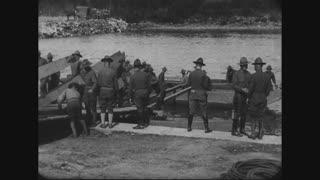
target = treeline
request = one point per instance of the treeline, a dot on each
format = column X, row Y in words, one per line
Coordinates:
column 168, row 10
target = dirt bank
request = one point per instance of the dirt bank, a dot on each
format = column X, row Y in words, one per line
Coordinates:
column 126, row 155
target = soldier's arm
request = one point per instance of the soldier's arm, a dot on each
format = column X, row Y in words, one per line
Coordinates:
column 234, row 83
column 273, row 79
column 94, row 80
column 268, row 87
column 116, row 85
column 61, row 98
column 250, row 87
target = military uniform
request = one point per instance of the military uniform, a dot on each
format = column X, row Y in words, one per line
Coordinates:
column 89, row 99
column 108, row 84
column 162, row 88
column 259, row 89
column 140, row 89
column 229, row 74
column 54, row 78
column 75, row 67
column 73, row 99
column 200, row 83
column 272, row 78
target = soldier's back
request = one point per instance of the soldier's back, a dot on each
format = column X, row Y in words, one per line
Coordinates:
column 197, row 78
column 261, row 81
column 106, row 77
column 140, row 79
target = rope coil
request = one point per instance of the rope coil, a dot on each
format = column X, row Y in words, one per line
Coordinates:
column 254, row 169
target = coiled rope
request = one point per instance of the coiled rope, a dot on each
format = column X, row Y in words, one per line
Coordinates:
column 254, row 169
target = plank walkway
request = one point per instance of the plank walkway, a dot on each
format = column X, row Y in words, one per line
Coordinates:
column 195, row 133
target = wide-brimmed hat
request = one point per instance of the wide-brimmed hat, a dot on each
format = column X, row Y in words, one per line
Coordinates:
column 182, row 71
column 137, row 63
column 77, row 53
column 229, row 67
column 199, row 61
column 269, row 67
column 243, row 61
column 49, row 56
column 164, row 68
column 258, row 61
column 107, row 58
column 85, row 63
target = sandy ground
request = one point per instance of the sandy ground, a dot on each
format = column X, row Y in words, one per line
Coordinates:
column 127, row 155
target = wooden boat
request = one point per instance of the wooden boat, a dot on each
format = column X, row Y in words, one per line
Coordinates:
column 54, row 67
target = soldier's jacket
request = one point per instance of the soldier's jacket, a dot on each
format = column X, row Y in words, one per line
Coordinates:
column 229, row 75
column 89, row 78
column 139, row 80
column 161, row 81
column 259, row 88
column 200, row 83
column 240, row 80
column 107, row 77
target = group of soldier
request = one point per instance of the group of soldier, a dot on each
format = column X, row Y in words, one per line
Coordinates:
column 251, row 91
column 250, row 98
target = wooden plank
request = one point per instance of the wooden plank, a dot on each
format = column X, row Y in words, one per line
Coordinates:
column 54, row 94
column 172, row 95
column 53, row 67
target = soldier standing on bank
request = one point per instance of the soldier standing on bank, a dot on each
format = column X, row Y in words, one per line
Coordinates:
column 140, row 89
column 199, row 83
column 271, row 77
column 90, row 91
column 108, row 89
column 230, row 72
column 54, row 79
column 259, row 89
column 162, row 88
column 240, row 85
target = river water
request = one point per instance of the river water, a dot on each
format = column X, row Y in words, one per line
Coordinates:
column 174, row 50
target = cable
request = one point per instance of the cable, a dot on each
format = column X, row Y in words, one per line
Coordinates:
column 254, row 169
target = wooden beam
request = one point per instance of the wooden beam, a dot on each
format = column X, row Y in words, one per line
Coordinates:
column 54, row 94
column 172, row 96
column 53, row 67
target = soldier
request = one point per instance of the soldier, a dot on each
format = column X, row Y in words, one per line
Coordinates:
column 230, row 72
column 75, row 67
column 184, row 78
column 90, row 94
column 140, row 89
column 240, row 85
column 259, row 89
column 43, row 81
column 72, row 96
column 108, row 84
column 271, row 76
column 162, row 88
column 54, row 79
column 198, row 96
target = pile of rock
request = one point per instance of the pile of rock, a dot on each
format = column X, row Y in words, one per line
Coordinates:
column 80, row 27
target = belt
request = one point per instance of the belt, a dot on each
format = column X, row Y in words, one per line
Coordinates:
column 73, row 99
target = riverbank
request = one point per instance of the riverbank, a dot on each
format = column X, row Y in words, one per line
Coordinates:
column 55, row 27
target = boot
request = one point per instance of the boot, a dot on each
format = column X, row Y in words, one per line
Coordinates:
column 147, row 118
column 253, row 130
column 242, row 126
column 140, row 121
column 234, row 128
column 190, row 118
column 260, row 133
column 206, row 125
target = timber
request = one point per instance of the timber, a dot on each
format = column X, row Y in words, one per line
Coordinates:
column 53, row 67
column 54, row 94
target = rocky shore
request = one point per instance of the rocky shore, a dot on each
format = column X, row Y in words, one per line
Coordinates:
column 55, row 27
